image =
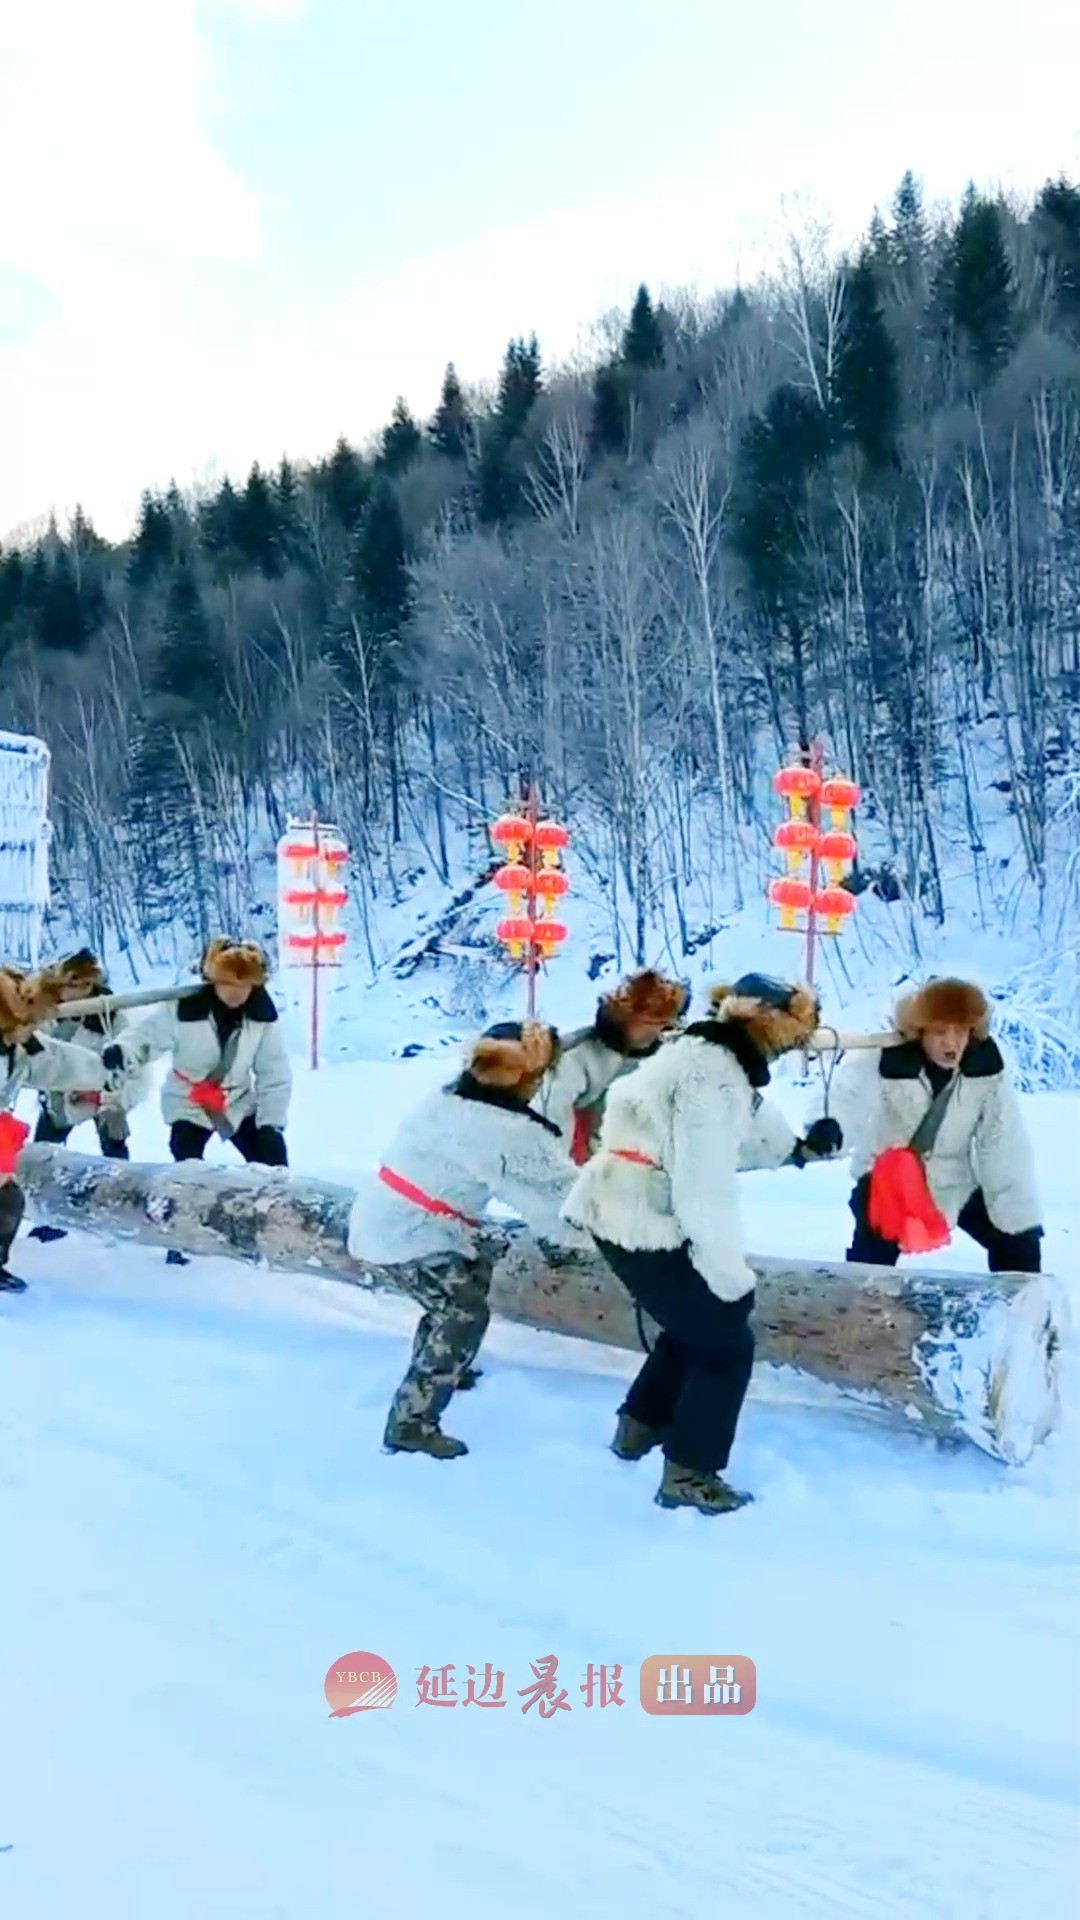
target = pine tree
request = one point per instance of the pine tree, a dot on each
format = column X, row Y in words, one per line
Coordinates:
column 401, row 442
column 643, row 340
column 866, row 377
column 909, row 243
column 380, row 570
column 450, row 431
column 152, row 548
column 980, row 287
column 345, row 485
column 65, row 617
column 520, row 386
column 187, row 676
column 609, row 424
column 257, row 529
column 220, row 524
column 1056, row 225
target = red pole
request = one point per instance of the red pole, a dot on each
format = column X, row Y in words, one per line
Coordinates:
column 315, row 951
column 531, row 970
column 816, row 758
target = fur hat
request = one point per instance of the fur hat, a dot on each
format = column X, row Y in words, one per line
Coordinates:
column 645, row 996
column 777, row 1016
column 943, row 1003
column 79, row 974
column 26, row 999
column 235, row 963
column 513, row 1055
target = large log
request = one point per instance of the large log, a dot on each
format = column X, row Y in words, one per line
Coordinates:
column 960, row 1354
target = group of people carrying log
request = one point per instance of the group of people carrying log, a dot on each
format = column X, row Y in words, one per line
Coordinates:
column 625, row 1138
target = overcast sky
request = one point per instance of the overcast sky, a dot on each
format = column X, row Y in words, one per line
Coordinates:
column 236, row 228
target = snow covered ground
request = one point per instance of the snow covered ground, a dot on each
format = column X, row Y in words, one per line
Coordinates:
column 200, row 1522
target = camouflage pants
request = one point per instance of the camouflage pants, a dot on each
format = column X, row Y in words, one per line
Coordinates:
column 454, row 1295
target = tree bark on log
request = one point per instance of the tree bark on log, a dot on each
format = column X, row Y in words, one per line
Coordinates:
column 966, row 1355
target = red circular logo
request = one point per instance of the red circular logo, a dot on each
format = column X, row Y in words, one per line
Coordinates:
column 357, row 1682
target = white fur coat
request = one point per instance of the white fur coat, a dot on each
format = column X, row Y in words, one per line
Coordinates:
column 69, row 1107
column 691, row 1109
column 51, row 1066
column 983, row 1141
column 464, row 1153
column 580, row 1078
column 259, row 1080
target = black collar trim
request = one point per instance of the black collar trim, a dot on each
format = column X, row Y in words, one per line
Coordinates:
column 607, row 1030
column 982, row 1060
column 200, row 1006
column 467, row 1088
column 734, row 1037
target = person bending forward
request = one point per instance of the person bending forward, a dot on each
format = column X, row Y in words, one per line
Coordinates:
column 419, row 1218
column 660, row 1198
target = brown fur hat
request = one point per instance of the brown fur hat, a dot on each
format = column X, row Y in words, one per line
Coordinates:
column 235, row 963
column 645, row 996
column 26, row 1000
column 80, row 975
column 943, row 1003
column 513, row 1057
column 775, row 1028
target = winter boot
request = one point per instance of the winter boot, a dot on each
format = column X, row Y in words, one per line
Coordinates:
column 12, row 1208
column 632, row 1439
column 707, row 1492
column 48, row 1234
column 421, row 1436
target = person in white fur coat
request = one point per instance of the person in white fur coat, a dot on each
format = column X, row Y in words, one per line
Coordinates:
column 32, row 1059
column 229, row 1069
column 81, row 977
column 980, row 1169
column 420, row 1216
column 629, row 1026
column 660, row 1197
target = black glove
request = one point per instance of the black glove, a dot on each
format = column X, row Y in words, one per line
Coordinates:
column 823, row 1141
column 112, row 1058
column 562, row 1257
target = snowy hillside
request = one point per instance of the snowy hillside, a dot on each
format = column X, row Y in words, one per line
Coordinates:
column 203, row 1523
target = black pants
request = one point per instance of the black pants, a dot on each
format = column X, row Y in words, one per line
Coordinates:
column 1008, row 1252
column 50, row 1133
column 12, row 1208
column 266, row 1145
column 693, row 1384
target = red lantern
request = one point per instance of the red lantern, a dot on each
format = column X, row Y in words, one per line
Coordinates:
column 838, row 851
column 548, row 935
column 840, row 795
column 795, row 838
column 798, row 785
column 515, row 934
column 550, row 886
column 549, row 839
column 834, row 904
column 792, row 897
column 514, row 881
column 512, row 832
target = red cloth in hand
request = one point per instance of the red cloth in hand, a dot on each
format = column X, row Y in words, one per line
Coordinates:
column 13, row 1137
column 581, row 1139
column 209, row 1096
column 900, row 1206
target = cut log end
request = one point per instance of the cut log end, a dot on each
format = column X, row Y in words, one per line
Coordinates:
column 977, row 1356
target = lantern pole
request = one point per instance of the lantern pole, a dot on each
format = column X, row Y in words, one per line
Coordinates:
column 315, row 949
column 814, row 757
column 532, row 815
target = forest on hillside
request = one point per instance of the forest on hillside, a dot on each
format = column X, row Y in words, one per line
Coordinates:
column 844, row 502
